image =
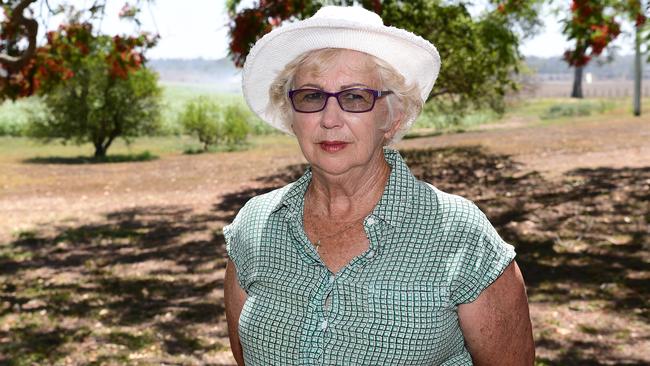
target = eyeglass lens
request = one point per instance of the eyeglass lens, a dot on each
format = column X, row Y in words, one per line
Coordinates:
column 353, row 100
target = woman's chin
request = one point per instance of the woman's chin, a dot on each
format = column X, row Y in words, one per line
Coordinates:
column 332, row 168
column 334, row 163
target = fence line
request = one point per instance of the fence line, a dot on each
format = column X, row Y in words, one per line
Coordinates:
column 597, row 89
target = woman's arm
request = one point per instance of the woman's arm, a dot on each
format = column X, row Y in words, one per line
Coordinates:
column 497, row 325
column 234, row 299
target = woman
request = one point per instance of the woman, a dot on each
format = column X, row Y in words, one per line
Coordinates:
column 357, row 262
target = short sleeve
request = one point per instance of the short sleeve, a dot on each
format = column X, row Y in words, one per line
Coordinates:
column 232, row 234
column 481, row 263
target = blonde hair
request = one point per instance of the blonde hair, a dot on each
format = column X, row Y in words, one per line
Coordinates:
column 405, row 98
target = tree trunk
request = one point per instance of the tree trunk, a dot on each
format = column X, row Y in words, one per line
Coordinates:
column 577, row 82
column 108, row 143
column 101, row 146
column 28, row 25
column 638, row 70
column 100, row 150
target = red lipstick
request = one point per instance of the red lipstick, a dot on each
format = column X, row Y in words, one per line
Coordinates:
column 332, row 146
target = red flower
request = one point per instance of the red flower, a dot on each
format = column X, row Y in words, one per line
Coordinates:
column 67, row 74
column 376, row 6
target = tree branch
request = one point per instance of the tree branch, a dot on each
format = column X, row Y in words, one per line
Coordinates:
column 17, row 18
column 438, row 93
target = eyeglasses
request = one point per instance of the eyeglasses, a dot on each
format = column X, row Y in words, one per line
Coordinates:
column 356, row 100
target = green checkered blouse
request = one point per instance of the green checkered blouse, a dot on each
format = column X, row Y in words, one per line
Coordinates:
column 395, row 304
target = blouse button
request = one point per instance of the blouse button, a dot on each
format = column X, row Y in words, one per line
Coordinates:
column 371, row 253
column 323, row 325
column 371, row 221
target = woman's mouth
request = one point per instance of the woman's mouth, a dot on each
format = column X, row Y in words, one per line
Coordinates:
column 332, row 146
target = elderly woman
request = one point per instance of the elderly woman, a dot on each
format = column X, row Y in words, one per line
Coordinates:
column 358, row 262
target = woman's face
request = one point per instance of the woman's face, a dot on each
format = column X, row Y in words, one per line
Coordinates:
column 335, row 141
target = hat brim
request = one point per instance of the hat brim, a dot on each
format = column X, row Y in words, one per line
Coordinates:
column 412, row 56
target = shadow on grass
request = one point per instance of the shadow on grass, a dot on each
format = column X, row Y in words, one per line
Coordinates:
column 588, row 230
column 578, row 238
column 36, row 346
column 77, row 160
column 150, row 269
column 581, row 238
column 585, row 237
column 227, row 208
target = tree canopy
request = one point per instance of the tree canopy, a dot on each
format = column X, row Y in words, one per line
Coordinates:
column 592, row 25
column 95, row 86
column 479, row 53
column 22, row 60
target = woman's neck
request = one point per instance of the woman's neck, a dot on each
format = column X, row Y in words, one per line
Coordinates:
column 350, row 195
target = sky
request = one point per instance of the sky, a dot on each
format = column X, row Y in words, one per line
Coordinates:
column 198, row 28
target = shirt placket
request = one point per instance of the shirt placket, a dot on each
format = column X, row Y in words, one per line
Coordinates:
column 316, row 327
column 315, row 324
column 315, row 343
column 327, row 303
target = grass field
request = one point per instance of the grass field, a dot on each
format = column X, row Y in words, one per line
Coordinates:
column 13, row 117
column 122, row 264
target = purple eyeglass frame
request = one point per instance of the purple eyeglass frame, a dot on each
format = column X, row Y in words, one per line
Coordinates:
column 375, row 93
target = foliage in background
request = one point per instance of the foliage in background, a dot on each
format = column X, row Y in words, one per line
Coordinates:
column 479, row 54
column 213, row 124
column 18, row 34
column 95, row 87
column 582, row 108
column 432, row 118
column 201, row 117
column 176, row 96
column 14, row 116
column 592, row 25
column 235, row 125
column 21, row 58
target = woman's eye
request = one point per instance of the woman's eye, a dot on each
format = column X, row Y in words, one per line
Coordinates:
column 313, row 96
column 353, row 96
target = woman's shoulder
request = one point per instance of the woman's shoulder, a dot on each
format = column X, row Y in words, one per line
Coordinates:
column 242, row 234
column 263, row 204
column 460, row 226
column 453, row 210
column 448, row 203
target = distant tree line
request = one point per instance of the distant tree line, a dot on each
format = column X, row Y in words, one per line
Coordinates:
column 619, row 67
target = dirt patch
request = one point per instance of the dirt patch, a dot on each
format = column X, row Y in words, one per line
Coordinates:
column 34, row 196
column 555, row 149
column 123, row 263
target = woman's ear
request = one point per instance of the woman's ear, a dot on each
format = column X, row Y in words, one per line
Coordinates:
column 396, row 124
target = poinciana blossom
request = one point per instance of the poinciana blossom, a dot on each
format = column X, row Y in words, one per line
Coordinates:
column 25, row 68
column 67, row 46
column 591, row 28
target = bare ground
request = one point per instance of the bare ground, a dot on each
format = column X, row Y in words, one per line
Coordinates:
column 123, row 263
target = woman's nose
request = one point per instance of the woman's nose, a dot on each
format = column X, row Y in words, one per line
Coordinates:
column 331, row 114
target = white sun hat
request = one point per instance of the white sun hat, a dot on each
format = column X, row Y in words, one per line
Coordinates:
column 353, row 28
